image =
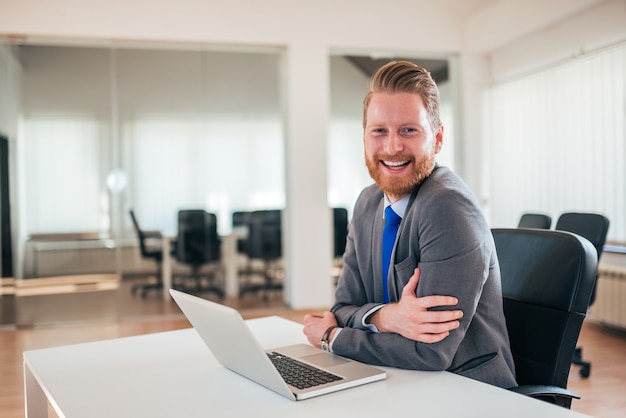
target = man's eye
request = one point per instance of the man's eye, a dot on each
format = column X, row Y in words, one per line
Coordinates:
column 379, row 131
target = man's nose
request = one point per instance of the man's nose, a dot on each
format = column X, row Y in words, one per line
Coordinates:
column 394, row 144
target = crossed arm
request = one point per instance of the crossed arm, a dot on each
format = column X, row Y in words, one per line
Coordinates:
column 410, row 317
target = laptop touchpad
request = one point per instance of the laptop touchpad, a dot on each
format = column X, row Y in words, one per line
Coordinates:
column 325, row 360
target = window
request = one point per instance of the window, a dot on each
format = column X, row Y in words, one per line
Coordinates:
column 221, row 165
column 63, row 188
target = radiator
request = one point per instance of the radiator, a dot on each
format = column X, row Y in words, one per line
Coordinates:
column 609, row 306
column 53, row 258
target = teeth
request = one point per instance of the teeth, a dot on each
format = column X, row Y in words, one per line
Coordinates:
column 394, row 163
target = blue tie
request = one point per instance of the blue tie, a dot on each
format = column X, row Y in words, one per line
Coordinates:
column 392, row 220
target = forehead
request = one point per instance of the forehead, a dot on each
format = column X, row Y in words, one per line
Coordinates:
column 396, row 108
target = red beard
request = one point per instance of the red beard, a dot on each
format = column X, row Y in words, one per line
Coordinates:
column 399, row 185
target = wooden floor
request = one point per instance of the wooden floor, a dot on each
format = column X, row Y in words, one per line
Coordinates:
column 602, row 393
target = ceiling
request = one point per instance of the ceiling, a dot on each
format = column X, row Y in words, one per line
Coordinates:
column 438, row 68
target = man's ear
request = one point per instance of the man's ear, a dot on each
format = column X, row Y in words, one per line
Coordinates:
column 438, row 140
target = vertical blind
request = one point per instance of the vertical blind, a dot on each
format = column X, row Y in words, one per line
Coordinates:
column 557, row 139
column 181, row 163
column 63, row 175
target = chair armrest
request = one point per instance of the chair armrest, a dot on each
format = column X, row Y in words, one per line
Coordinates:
column 553, row 394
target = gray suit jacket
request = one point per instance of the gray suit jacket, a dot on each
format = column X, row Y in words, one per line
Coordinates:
column 444, row 233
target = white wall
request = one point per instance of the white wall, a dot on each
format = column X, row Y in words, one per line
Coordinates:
column 591, row 29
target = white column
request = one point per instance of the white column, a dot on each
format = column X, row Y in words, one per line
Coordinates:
column 307, row 231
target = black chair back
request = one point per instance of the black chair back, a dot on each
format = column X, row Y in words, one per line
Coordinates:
column 340, row 231
column 592, row 226
column 265, row 235
column 150, row 247
column 143, row 236
column 547, row 280
column 535, row 220
column 198, row 241
column 241, row 219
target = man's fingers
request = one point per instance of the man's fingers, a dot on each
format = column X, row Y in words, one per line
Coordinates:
column 439, row 328
column 411, row 286
column 428, row 302
column 440, row 316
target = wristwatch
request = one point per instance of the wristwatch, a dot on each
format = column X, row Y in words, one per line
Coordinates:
column 325, row 345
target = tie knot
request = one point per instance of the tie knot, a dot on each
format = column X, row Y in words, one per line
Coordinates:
column 391, row 217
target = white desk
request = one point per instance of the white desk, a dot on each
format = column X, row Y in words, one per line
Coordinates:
column 173, row 374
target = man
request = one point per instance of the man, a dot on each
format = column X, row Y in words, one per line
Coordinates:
column 440, row 307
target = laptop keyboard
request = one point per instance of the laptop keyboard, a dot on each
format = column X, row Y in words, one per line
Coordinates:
column 299, row 374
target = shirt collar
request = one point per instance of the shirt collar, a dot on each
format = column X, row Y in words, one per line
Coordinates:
column 398, row 207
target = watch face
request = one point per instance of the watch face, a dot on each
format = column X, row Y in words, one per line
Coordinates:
column 324, row 345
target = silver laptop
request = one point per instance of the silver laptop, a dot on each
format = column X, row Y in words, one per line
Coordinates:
column 232, row 343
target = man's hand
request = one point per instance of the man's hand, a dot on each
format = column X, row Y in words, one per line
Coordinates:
column 316, row 325
column 411, row 318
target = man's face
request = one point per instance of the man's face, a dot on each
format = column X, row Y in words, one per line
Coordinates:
column 400, row 145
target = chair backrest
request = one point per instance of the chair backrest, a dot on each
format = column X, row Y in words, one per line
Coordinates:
column 140, row 234
column 265, row 235
column 547, row 280
column 535, row 220
column 592, row 226
column 340, row 230
column 198, row 241
column 240, row 218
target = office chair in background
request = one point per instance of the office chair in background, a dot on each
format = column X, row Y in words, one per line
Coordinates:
column 535, row 220
column 264, row 251
column 198, row 245
column 593, row 227
column 547, row 280
column 340, row 235
column 340, row 231
column 241, row 219
column 150, row 248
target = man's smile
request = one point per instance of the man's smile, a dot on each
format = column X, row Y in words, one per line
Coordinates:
column 395, row 165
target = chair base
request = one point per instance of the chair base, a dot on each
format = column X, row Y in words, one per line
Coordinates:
column 197, row 282
column 198, row 287
column 260, row 287
column 585, row 370
column 144, row 288
column 268, row 283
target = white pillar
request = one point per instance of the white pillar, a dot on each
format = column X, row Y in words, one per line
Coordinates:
column 307, row 231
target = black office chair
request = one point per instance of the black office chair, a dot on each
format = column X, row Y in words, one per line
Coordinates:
column 150, row 248
column 594, row 227
column 340, row 231
column 340, row 235
column 199, row 245
column 264, row 251
column 241, row 219
column 547, row 280
column 535, row 220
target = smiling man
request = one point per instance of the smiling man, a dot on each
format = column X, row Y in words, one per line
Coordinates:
column 420, row 288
